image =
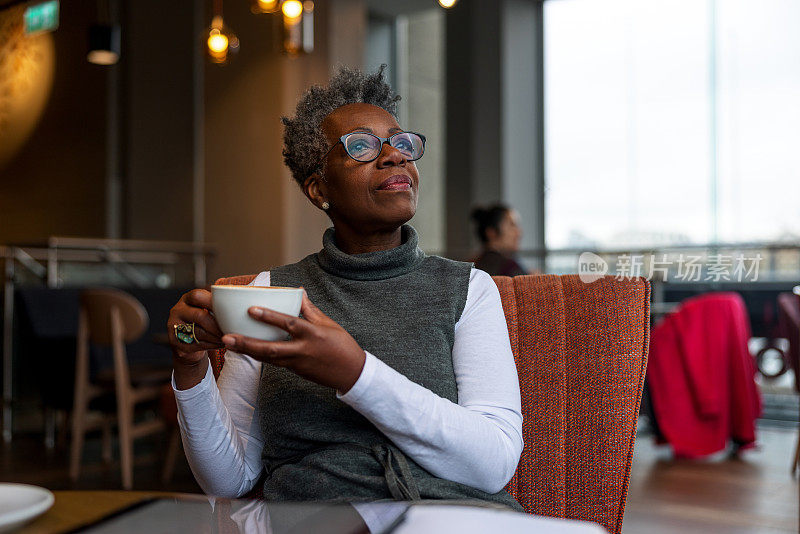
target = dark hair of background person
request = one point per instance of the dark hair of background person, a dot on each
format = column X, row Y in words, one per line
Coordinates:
column 488, row 217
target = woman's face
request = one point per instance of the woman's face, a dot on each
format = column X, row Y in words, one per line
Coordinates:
column 509, row 233
column 360, row 194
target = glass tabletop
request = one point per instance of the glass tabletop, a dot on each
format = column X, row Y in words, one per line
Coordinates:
column 156, row 515
column 201, row 514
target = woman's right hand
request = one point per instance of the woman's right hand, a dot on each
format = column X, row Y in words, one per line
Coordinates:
column 189, row 359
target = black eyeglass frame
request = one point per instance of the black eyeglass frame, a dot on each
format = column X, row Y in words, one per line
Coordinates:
column 383, row 140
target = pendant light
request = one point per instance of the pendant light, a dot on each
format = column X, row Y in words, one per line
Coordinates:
column 264, row 6
column 298, row 26
column 221, row 42
column 104, row 38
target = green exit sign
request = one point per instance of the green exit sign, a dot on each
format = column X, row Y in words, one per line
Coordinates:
column 41, row 17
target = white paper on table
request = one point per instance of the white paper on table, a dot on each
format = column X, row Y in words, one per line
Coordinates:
column 467, row 520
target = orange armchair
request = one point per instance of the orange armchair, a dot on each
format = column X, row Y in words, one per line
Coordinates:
column 581, row 354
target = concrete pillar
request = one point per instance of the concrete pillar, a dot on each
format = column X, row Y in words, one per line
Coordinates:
column 494, row 117
column 339, row 35
column 244, row 180
column 523, row 118
column 255, row 212
column 157, row 121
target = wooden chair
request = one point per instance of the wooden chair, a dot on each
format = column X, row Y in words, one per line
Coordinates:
column 113, row 318
column 581, row 353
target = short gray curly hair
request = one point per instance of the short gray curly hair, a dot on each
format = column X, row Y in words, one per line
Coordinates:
column 303, row 141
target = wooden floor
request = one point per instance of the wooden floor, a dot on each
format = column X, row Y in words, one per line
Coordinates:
column 752, row 494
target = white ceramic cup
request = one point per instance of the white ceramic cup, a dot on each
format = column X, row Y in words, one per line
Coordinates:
column 230, row 305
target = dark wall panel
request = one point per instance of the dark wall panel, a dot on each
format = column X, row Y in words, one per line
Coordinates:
column 55, row 183
column 157, row 101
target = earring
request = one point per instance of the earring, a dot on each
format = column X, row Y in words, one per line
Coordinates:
column 325, row 205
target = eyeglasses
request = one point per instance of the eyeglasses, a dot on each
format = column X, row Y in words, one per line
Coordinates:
column 366, row 147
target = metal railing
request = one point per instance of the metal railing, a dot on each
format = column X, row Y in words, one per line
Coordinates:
column 779, row 261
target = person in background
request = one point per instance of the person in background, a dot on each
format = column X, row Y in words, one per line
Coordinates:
column 499, row 231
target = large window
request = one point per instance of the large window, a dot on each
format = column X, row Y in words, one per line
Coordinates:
column 412, row 45
column 671, row 121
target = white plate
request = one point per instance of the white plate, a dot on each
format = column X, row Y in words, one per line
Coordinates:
column 19, row 503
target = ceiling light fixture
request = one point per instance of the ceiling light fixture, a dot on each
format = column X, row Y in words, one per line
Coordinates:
column 104, row 44
column 298, row 26
column 104, row 38
column 292, row 9
column 221, row 42
column 264, row 6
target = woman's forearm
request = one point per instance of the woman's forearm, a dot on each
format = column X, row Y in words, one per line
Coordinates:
column 224, row 457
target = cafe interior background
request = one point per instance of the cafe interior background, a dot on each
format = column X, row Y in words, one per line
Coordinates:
column 138, row 150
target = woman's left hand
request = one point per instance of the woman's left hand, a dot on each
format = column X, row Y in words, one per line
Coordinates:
column 320, row 350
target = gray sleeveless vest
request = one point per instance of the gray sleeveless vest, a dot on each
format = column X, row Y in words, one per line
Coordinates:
column 401, row 306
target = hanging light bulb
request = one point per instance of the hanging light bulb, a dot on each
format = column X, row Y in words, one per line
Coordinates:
column 221, row 42
column 264, row 6
column 217, row 43
column 447, row 4
column 292, row 9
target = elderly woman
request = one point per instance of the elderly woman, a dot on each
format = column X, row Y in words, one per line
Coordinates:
column 398, row 381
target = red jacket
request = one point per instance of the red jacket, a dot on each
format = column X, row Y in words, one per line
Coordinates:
column 701, row 375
